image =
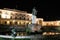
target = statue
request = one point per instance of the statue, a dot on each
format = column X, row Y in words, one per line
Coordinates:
column 34, row 12
column 34, row 27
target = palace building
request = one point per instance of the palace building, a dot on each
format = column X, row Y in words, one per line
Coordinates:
column 10, row 16
column 21, row 19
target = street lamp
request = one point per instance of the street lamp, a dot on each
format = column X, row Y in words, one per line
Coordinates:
column 13, row 33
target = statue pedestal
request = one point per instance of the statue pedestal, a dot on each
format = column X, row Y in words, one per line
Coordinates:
column 34, row 27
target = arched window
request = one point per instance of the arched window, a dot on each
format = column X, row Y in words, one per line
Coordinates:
column 10, row 23
column 16, row 23
column 15, row 17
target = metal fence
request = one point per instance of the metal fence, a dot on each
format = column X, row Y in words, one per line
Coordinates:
column 36, row 37
column 5, row 37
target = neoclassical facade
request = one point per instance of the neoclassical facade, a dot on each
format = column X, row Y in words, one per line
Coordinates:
column 12, row 16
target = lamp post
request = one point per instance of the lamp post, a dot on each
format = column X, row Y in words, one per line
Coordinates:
column 13, row 33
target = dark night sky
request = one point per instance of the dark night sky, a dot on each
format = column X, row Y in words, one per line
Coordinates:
column 49, row 10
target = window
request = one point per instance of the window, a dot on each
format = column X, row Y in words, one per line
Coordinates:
column 15, row 17
column 10, row 23
column 15, row 23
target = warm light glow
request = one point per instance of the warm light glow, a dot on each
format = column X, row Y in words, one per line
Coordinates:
column 22, row 23
column 29, row 22
column 18, row 22
column 5, row 16
column 8, row 22
column 50, row 33
column 8, row 13
column 51, row 23
column 29, row 14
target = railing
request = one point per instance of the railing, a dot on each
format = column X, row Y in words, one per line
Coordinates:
column 5, row 36
column 20, row 37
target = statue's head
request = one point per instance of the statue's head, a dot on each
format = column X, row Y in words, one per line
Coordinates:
column 34, row 12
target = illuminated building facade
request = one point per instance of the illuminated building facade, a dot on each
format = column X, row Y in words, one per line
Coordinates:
column 22, row 18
